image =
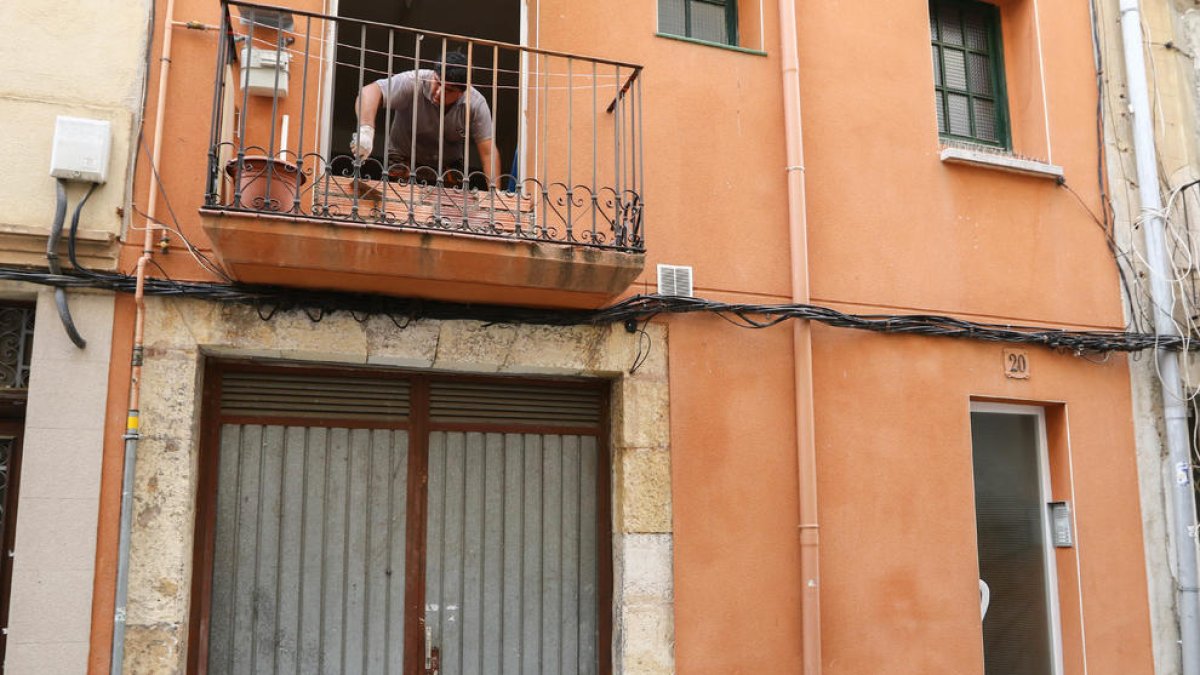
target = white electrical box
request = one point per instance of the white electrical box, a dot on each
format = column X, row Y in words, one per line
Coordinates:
column 81, row 149
column 259, row 68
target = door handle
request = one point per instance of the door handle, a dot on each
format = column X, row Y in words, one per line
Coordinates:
column 985, row 599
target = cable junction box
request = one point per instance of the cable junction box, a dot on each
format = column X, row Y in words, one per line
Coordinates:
column 81, row 149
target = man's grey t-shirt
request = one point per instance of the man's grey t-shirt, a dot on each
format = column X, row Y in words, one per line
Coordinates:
column 398, row 97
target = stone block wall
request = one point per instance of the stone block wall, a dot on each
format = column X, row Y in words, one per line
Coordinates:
column 180, row 334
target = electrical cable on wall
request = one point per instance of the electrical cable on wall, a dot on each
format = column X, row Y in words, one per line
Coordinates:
column 631, row 311
column 1176, row 215
column 60, row 294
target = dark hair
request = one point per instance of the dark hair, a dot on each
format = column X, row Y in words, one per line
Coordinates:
column 455, row 64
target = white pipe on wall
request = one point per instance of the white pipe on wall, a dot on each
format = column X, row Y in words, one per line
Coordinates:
column 1037, row 26
column 1174, row 410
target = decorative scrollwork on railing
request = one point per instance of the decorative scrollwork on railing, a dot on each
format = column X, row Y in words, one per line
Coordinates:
column 16, row 336
column 342, row 189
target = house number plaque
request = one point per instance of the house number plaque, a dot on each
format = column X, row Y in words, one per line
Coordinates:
column 1016, row 364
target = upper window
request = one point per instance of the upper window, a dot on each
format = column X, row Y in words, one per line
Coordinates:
column 708, row 20
column 968, row 72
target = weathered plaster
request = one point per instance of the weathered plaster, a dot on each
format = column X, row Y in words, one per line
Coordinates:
column 1174, row 75
column 38, row 85
column 181, row 333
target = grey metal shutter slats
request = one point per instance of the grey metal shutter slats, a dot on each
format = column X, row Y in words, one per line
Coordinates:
column 512, row 546
column 309, row 558
column 309, row 396
column 533, row 404
column 389, row 400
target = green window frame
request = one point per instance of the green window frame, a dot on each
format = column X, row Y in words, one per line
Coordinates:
column 968, row 72
column 705, row 20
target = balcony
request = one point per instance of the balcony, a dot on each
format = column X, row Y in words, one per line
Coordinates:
column 547, row 212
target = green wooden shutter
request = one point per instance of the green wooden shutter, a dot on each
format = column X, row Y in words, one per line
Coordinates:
column 707, row 20
column 968, row 72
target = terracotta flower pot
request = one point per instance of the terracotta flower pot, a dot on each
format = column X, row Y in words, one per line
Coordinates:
column 260, row 174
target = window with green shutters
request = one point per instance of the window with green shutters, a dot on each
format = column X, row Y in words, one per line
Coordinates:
column 968, row 72
column 708, row 20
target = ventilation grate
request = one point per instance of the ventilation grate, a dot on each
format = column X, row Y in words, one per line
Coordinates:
column 486, row 403
column 675, row 280
column 314, row 396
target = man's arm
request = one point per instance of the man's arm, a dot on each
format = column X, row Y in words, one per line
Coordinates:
column 490, row 157
column 366, row 106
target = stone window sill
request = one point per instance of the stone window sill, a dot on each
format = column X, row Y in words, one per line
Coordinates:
column 1001, row 162
column 708, row 43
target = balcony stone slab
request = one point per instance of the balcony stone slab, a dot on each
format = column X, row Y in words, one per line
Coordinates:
column 454, row 267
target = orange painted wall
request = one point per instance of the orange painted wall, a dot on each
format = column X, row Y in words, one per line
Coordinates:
column 892, row 225
column 898, row 520
column 891, row 229
column 734, row 487
column 714, row 139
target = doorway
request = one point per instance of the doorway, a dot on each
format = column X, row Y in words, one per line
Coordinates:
column 1021, row 632
column 16, row 349
column 11, row 432
column 494, row 20
column 368, row 522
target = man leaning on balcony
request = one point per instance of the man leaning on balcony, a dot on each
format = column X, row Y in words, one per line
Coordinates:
column 440, row 105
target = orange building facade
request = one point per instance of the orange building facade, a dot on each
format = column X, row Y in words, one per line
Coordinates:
column 664, row 492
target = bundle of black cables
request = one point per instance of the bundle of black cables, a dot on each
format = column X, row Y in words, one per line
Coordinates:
column 631, row 312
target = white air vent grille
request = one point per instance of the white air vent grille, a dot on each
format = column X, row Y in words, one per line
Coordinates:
column 675, row 280
column 314, row 396
column 504, row 403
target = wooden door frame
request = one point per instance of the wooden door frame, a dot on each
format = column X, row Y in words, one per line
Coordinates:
column 418, row 425
column 15, row 429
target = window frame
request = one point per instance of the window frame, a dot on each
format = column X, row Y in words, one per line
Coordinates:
column 731, row 21
column 995, row 55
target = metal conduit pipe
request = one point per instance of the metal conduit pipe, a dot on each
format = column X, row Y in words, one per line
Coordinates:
column 810, row 575
column 133, row 425
column 1183, row 495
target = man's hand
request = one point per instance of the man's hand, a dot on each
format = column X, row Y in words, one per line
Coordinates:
column 366, row 107
column 362, row 142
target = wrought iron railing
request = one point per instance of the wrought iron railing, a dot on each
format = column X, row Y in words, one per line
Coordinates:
column 16, row 346
column 565, row 159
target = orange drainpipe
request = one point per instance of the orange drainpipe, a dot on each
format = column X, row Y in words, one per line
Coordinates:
column 133, row 425
column 806, row 452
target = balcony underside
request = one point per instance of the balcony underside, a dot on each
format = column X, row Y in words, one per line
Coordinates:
column 367, row 258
